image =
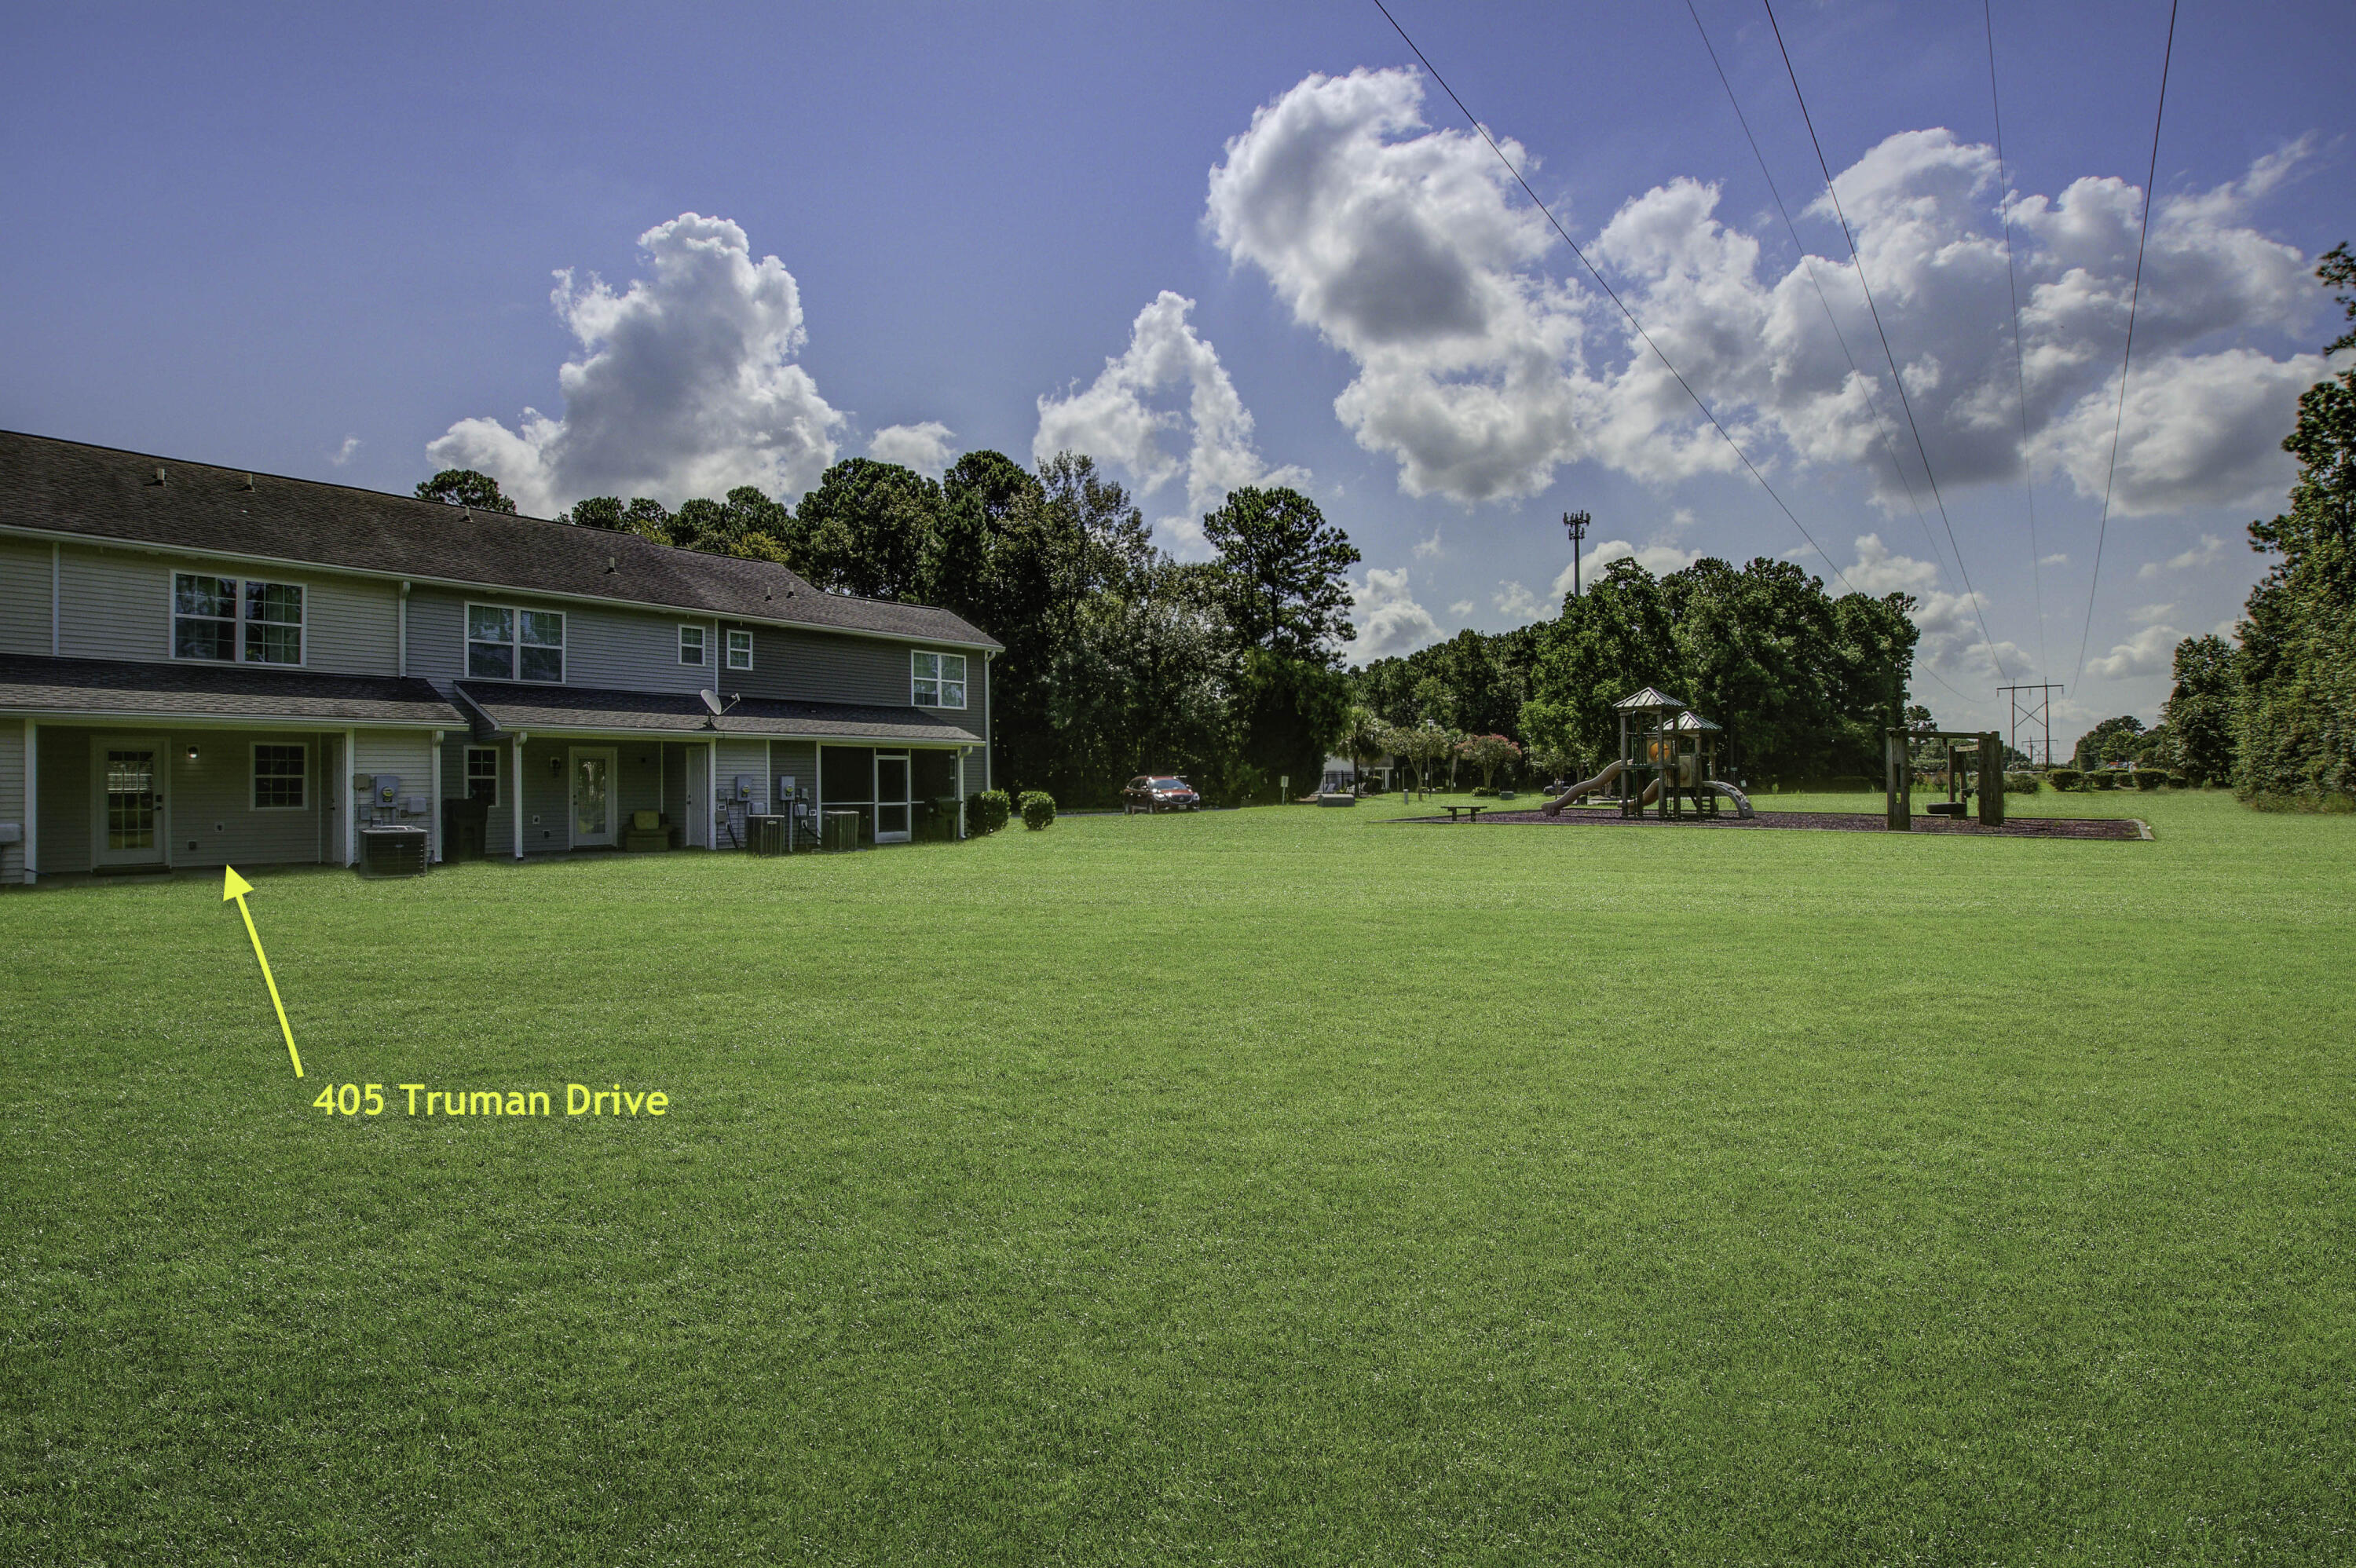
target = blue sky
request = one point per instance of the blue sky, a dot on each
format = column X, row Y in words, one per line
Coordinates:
column 322, row 242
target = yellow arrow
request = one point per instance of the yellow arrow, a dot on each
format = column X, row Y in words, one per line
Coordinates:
column 236, row 887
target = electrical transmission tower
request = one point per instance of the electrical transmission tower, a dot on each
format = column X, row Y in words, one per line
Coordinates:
column 1575, row 525
column 2033, row 706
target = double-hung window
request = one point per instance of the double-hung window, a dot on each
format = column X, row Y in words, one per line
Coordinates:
column 740, row 650
column 278, row 774
column 690, row 644
column 483, row 774
column 507, row 644
column 939, row 680
column 228, row 619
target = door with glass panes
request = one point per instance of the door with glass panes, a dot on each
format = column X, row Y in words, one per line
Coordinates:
column 593, row 797
column 127, row 774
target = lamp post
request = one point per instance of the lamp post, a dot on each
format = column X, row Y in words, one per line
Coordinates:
column 1575, row 525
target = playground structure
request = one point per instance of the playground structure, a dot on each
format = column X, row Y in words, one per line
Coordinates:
column 1971, row 762
column 1669, row 754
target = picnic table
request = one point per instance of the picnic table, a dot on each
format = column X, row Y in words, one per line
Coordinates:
column 1464, row 813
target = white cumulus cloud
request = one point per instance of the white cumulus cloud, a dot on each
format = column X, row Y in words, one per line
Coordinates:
column 2151, row 651
column 1482, row 364
column 928, row 448
column 1121, row 418
column 686, row 384
column 2210, row 550
column 1388, row 619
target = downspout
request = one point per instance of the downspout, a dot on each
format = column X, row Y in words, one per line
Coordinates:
column 403, row 638
column 351, row 798
column 515, row 796
column 53, row 598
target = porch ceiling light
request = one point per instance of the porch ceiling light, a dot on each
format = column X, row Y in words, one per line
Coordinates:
column 192, row 753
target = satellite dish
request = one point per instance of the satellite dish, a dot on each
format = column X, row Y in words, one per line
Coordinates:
column 711, row 701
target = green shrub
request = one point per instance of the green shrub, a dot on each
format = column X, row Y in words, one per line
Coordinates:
column 2021, row 783
column 2179, row 781
column 2103, row 778
column 1038, row 809
column 2066, row 778
column 1482, row 792
column 987, row 811
column 2150, row 778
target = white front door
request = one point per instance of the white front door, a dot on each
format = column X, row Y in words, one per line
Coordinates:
column 891, row 797
column 593, row 796
column 127, row 817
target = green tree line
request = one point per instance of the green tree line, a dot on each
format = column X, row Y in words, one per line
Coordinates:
column 2275, row 717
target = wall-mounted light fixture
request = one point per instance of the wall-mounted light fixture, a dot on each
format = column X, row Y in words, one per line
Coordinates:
column 192, row 753
column 556, row 767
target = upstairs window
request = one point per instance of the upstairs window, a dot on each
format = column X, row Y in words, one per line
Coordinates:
column 507, row 644
column 228, row 619
column 740, row 650
column 939, row 680
column 690, row 644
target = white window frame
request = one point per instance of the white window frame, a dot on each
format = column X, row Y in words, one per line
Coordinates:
column 515, row 644
column 466, row 774
column 939, row 680
column 253, row 776
column 702, row 645
column 731, row 639
column 236, row 618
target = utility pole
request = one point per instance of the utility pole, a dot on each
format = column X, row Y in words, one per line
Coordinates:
column 1575, row 525
column 2035, row 708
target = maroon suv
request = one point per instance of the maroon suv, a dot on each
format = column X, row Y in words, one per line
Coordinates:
column 1149, row 794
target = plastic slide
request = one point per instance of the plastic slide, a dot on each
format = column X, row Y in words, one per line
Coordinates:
column 1584, row 788
column 1741, row 800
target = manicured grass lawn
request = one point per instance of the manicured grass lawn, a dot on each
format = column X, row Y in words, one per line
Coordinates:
column 1264, row 1187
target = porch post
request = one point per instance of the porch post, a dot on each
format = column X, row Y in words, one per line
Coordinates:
column 351, row 798
column 515, row 793
column 433, row 799
column 32, row 803
column 960, row 791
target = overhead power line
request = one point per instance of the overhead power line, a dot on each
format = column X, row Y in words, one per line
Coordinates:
column 1904, row 403
column 2020, row 356
column 2126, row 358
column 1612, row 294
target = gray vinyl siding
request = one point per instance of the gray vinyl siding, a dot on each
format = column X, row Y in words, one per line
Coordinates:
column 819, row 667
column 795, row 758
column 23, row 597
column 12, row 796
column 116, row 604
column 750, row 758
column 352, row 625
column 437, row 636
column 407, row 754
column 210, row 806
column 65, row 800
column 627, row 650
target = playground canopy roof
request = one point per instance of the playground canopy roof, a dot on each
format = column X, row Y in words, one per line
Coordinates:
column 1649, row 699
column 1691, row 720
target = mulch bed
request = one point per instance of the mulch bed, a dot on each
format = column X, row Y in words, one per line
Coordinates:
column 2112, row 828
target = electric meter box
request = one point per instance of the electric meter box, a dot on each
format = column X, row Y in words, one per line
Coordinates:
column 745, row 785
column 388, row 788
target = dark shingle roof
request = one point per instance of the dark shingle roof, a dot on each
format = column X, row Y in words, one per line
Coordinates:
column 30, row 683
column 96, row 491
column 506, row 706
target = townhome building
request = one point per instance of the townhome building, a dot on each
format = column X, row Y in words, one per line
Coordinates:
column 200, row 665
